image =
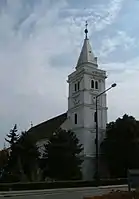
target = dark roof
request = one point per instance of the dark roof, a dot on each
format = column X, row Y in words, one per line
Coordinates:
column 47, row 128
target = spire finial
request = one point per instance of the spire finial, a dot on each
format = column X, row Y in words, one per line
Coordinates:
column 86, row 31
column 31, row 124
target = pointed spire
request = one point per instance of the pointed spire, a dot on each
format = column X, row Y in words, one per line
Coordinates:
column 86, row 55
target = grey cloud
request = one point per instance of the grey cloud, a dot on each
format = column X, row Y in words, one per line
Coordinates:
column 31, row 88
column 111, row 44
column 63, row 60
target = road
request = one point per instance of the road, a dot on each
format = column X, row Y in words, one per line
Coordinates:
column 69, row 193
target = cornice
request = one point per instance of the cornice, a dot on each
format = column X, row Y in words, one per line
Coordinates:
column 92, row 106
column 92, row 129
column 101, row 74
column 91, row 91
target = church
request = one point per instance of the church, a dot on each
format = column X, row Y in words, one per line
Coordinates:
column 85, row 83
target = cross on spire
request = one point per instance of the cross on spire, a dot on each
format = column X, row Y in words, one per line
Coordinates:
column 86, row 31
column 31, row 124
column 86, row 55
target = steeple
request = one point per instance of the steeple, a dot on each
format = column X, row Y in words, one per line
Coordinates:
column 85, row 83
column 86, row 55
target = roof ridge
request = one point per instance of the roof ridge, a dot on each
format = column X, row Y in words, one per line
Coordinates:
column 49, row 120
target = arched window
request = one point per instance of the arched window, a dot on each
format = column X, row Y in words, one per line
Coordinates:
column 92, row 83
column 75, row 118
column 96, row 84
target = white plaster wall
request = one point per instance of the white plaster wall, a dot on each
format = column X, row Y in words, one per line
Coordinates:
column 40, row 145
column 87, row 97
column 66, row 125
column 87, row 139
column 104, row 115
column 103, row 100
column 80, row 118
column 88, row 117
column 102, row 85
column 87, row 81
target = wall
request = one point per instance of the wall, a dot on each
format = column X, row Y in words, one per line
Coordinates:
column 83, row 103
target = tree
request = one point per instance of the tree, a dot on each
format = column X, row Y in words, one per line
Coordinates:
column 23, row 159
column 4, row 156
column 29, row 156
column 11, row 168
column 61, row 155
column 13, row 137
column 121, row 146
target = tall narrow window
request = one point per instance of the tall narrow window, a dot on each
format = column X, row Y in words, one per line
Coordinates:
column 75, row 87
column 75, row 118
column 92, row 83
column 78, row 86
column 95, row 119
column 96, row 84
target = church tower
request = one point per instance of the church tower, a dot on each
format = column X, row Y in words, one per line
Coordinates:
column 85, row 83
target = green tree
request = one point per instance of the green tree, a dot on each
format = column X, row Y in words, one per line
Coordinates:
column 4, row 157
column 13, row 137
column 29, row 156
column 23, row 160
column 61, row 155
column 11, row 170
column 12, row 140
column 121, row 146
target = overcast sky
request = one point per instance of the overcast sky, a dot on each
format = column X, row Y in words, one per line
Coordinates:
column 40, row 41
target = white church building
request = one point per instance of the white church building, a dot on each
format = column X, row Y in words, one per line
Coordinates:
column 85, row 83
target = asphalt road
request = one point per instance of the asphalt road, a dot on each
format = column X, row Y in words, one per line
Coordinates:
column 70, row 193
